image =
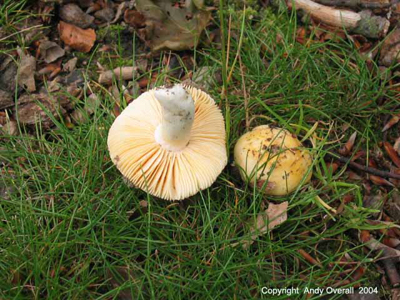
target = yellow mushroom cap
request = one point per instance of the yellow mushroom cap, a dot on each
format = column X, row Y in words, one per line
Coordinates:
column 273, row 158
column 171, row 175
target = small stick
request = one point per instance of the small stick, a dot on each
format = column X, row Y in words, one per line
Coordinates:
column 369, row 170
column 308, row 257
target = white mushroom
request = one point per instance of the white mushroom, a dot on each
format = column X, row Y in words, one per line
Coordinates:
column 274, row 159
column 170, row 142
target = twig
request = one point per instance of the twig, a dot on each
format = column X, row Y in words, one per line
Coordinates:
column 308, row 257
column 369, row 170
column 364, row 22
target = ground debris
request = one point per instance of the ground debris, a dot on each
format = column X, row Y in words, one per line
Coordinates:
column 26, row 71
column 38, row 109
column 73, row 14
column 267, row 220
column 77, row 38
column 163, row 25
column 50, row 51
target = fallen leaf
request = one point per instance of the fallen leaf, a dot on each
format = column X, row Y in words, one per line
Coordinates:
column 26, row 71
column 346, row 149
column 30, row 112
column 70, row 65
column 392, row 154
column 50, row 51
column 106, row 14
column 77, row 38
column 390, row 48
column 393, row 120
column 267, row 220
column 73, row 14
column 168, row 26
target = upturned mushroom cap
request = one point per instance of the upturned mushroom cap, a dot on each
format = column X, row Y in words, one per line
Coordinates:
column 272, row 158
column 169, row 173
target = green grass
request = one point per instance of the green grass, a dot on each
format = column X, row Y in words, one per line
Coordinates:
column 70, row 223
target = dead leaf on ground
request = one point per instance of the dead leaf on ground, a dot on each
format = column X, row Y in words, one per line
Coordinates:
column 125, row 73
column 105, row 15
column 26, row 71
column 30, row 112
column 77, row 38
column 392, row 153
column 393, row 120
column 50, row 51
column 346, row 149
column 390, row 49
column 73, row 14
column 169, row 26
column 267, row 220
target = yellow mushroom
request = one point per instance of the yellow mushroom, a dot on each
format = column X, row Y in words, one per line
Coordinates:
column 170, row 142
column 272, row 158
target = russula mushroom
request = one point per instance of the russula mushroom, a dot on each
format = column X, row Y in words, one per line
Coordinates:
column 170, row 142
column 272, row 158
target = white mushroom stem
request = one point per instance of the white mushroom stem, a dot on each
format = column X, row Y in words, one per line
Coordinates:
column 177, row 104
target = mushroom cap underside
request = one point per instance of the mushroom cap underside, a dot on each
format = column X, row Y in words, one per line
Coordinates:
column 167, row 174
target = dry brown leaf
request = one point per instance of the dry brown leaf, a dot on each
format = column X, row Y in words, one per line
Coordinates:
column 50, row 51
column 392, row 154
column 70, row 65
column 77, row 38
column 267, row 220
column 169, row 26
column 26, row 71
column 346, row 149
column 393, row 120
column 390, row 48
column 73, row 14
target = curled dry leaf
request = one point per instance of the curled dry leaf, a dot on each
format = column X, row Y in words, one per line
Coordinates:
column 392, row 154
column 267, row 220
column 26, row 71
column 346, row 149
column 169, row 26
column 393, row 120
column 125, row 73
column 50, row 51
column 390, row 48
column 77, row 38
column 73, row 14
